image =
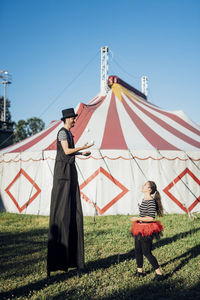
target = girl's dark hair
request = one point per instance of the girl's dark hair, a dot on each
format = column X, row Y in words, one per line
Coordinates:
column 157, row 197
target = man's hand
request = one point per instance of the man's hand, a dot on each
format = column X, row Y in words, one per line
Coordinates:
column 86, row 153
column 86, row 146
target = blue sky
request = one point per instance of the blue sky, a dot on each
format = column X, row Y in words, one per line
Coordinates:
column 52, row 50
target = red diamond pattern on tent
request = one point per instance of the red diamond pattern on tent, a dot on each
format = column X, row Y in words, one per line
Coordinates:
column 29, row 201
column 101, row 170
column 177, row 179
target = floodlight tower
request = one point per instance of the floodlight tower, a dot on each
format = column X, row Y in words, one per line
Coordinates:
column 104, row 70
column 6, row 79
column 144, row 85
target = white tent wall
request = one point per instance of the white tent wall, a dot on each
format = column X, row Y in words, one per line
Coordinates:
column 25, row 181
column 110, row 181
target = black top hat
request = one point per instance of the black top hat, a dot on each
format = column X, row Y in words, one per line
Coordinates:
column 68, row 113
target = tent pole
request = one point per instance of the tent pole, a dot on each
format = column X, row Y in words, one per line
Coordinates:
column 137, row 164
column 32, row 190
column 191, row 160
column 106, row 166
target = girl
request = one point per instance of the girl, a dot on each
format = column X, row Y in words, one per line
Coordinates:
column 145, row 228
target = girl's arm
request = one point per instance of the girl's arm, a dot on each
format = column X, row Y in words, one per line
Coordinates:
column 144, row 219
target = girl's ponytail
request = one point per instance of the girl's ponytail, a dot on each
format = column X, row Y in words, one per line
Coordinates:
column 157, row 197
column 159, row 206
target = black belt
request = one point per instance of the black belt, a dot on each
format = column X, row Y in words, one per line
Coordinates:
column 145, row 222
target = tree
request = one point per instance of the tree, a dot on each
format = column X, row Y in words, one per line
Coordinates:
column 24, row 129
column 20, row 131
column 34, row 125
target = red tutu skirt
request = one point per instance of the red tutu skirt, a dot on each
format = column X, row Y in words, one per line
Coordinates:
column 147, row 229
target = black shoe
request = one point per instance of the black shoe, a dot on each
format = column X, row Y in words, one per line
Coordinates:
column 48, row 274
column 159, row 277
column 80, row 272
column 139, row 274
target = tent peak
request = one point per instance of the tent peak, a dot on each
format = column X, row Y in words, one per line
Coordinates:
column 115, row 79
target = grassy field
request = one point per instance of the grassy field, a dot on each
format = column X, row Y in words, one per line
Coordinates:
column 110, row 260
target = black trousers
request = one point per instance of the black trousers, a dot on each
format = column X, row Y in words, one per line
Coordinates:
column 143, row 247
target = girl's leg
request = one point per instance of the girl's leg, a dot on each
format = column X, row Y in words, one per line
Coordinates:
column 146, row 245
column 138, row 253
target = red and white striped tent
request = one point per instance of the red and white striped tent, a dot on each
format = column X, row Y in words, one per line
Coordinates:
column 134, row 141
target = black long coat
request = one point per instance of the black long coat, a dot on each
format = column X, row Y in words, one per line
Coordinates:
column 65, row 238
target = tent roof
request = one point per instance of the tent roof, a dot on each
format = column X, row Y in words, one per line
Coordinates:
column 122, row 119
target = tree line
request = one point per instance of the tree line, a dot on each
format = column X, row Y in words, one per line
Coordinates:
column 23, row 128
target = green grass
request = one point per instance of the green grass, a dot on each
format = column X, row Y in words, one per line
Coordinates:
column 109, row 252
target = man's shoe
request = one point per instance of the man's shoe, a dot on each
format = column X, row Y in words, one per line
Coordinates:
column 48, row 274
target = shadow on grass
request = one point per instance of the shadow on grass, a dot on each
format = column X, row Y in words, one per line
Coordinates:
column 20, row 252
column 172, row 289
column 178, row 236
column 34, row 243
column 184, row 258
column 25, row 290
column 154, row 290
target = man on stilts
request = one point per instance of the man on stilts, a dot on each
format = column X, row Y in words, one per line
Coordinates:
column 65, row 238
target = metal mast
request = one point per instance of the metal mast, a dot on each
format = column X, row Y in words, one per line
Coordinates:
column 104, row 70
column 6, row 79
column 144, row 85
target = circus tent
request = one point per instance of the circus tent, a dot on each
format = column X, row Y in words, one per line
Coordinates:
column 134, row 141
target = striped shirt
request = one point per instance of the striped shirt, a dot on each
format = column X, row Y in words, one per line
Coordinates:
column 148, row 208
